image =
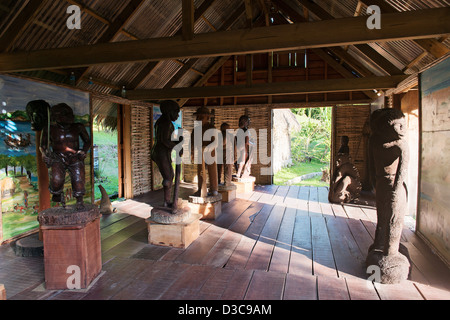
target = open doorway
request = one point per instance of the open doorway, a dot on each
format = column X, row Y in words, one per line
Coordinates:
column 106, row 157
column 302, row 146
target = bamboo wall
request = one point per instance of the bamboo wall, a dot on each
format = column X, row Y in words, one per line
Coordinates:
column 141, row 144
column 260, row 119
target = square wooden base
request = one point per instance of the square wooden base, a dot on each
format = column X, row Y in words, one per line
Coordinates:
column 208, row 211
column 245, row 185
column 67, row 246
column 2, row 292
column 228, row 193
column 179, row 235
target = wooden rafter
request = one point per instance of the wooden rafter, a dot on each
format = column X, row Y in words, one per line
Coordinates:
column 275, row 88
column 21, row 21
column 364, row 48
column 188, row 19
column 431, row 46
column 150, row 66
column 406, row 25
column 114, row 29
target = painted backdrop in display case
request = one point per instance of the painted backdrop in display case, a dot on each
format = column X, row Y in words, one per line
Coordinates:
column 18, row 163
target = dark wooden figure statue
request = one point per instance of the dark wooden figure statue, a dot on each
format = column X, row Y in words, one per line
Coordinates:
column 345, row 185
column 162, row 149
column 244, row 150
column 388, row 150
column 227, row 166
column 61, row 151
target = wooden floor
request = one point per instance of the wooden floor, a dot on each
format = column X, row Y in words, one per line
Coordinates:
column 276, row 243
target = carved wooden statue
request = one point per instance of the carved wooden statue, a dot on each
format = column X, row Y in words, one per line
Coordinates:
column 204, row 116
column 162, row 149
column 244, row 150
column 345, row 187
column 388, row 151
column 227, row 166
column 61, row 151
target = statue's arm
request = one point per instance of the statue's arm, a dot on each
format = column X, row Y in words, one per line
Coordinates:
column 84, row 135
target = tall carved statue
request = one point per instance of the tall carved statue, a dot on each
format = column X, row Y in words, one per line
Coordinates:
column 161, row 152
column 244, row 149
column 204, row 116
column 61, row 151
column 388, row 156
column 227, row 151
column 345, row 185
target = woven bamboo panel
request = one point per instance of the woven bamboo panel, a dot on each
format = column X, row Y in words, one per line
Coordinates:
column 141, row 148
column 350, row 121
column 260, row 119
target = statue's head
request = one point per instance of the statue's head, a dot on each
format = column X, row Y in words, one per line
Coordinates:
column 244, row 122
column 63, row 114
column 171, row 109
column 344, row 140
column 388, row 123
column 203, row 114
column 224, row 127
column 37, row 111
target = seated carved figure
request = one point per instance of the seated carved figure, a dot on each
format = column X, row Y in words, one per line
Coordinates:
column 388, row 156
column 345, row 186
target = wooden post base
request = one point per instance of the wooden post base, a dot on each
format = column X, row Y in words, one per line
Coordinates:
column 228, row 193
column 245, row 185
column 177, row 235
column 72, row 247
column 2, row 292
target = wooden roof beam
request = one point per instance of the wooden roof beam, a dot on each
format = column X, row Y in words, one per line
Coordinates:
column 406, row 25
column 275, row 88
column 20, row 22
column 188, row 20
column 431, row 46
column 150, row 66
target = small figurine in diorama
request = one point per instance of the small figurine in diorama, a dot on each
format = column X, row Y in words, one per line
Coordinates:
column 161, row 152
column 61, row 151
column 244, row 149
column 204, row 116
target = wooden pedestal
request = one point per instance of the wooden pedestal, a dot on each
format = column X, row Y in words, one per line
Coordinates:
column 209, row 207
column 178, row 235
column 72, row 249
column 2, row 292
column 228, row 193
column 244, row 185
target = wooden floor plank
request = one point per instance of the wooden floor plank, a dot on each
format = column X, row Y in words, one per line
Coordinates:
column 355, row 212
column 261, row 281
column 291, row 199
column 361, row 289
column 238, row 284
column 282, row 251
column 349, row 260
column 314, row 209
column 401, row 291
column 322, row 194
column 432, row 293
column 215, row 286
column 300, row 287
column 323, row 260
column 157, row 283
column 313, row 194
column 332, row 288
column 262, row 252
column 303, row 193
column 241, row 254
column 187, row 286
column 327, row 210
column 222, row 250
column 280, row 194
column 338, row 210
column 301, row 261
